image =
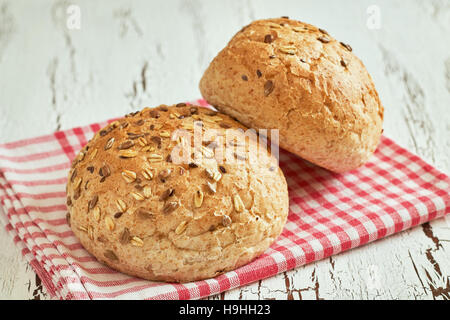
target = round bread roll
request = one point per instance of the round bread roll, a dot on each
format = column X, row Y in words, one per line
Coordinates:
column 289, row 75
column 141, row 212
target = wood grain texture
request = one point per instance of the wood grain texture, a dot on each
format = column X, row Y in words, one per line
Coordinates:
column 131, row 54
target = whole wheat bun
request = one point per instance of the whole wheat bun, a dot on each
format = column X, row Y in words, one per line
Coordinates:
column 289, row 75
column 141, row 212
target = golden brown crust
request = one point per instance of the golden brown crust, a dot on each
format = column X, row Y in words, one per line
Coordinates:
column 289, row 75
column 137, row 211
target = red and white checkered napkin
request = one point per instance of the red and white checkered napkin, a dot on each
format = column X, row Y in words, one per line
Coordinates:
column 329, row 213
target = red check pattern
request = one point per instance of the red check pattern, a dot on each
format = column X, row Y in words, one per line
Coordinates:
column 329, row 213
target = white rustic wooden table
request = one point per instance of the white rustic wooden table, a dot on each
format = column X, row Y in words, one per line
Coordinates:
column 70, row 63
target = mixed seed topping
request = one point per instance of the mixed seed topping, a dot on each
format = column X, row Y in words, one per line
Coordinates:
column 147, row 191
column 268, row 87
column 137, row 196
column 92, row 203
column 110, row 225
column 268, row 38
column 170, row 207
column 181, row 227
column 141, row 145
column 77, row 183
column 93, row 154
column 126, row 145
column 212, row 187
column 226, row 221
column 121, row 205
column 164, row 174
column 109, row 143
column 144, row 213
column 346, row 46
column 288, row 49
column 238, row 204
column 323, row 31
column 129, row 176
column 147, row 172
column 74, row 175
column 155, row 157
column 323, row 39
column 127, row 153
column 97, row 214
column 167, row 194
column 157, row 140
column 137, row 242
column 125, row 236
column 198, row 198
column 110, row 255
